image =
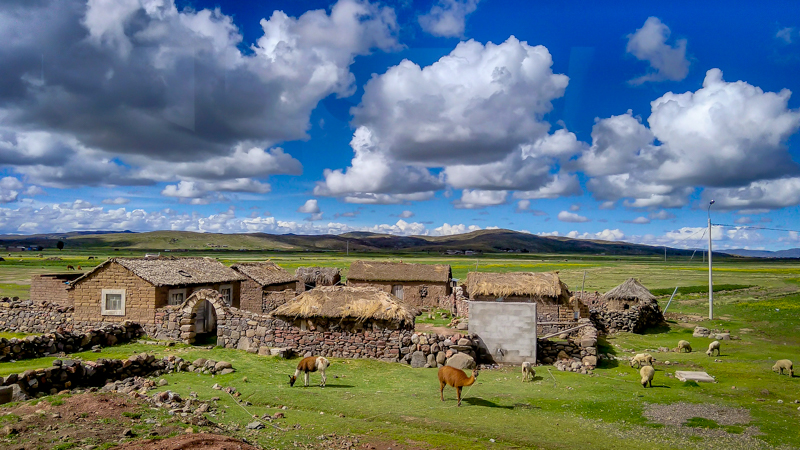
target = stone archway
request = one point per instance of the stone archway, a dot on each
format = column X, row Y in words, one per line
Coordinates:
column 190, row 307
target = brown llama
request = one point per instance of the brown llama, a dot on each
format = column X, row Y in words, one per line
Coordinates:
column 79, row 268
column 456, row 378
column 310, row 364
column 70, row 268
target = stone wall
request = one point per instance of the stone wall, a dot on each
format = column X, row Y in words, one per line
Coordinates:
column 251, row 296
column 635, row 319
column 34, row 317
column 66, row 342
column 457, row 303
column 52, row 288
column 418, row 295
column 273, row 299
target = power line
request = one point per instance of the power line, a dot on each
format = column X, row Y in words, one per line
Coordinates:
column 752, row 227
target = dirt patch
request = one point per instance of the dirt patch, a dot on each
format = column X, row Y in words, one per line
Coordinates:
column 428, row 328
column 85, row 419
column 190, row 441
column 679, row 413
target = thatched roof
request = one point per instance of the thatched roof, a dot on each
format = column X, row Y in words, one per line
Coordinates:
column 631, row 289
column 325, row 276
column 391, row 271
column 345, row 302
column 172, row 271
column 517, row 284
column 264, row 273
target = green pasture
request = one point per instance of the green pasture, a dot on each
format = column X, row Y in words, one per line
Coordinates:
column 758, row 301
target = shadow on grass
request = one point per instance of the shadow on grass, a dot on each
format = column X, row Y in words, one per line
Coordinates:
column 603, row 347
column 658, row 329
column 477, row 401
column 338, row 386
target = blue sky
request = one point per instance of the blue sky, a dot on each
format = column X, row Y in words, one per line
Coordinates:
column 589, row 120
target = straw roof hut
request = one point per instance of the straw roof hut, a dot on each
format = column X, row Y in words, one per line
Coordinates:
column 339, row 304
column 311, row 277
column 541, row 287
column 627, row 294
column 393, row 271
column 265, row 273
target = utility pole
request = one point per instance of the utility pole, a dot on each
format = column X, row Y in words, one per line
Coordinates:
column 710, row 273
column 665, row 253
column 348, row 248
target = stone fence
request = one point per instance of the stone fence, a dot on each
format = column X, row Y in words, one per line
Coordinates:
column 34, row 317
column 67, row 342
column 635, row 319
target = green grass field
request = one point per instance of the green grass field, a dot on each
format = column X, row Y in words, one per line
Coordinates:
column 759, row 302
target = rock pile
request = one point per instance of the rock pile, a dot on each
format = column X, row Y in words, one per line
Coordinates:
column 720, row 335
column 139, row 387
column 436, row 350
column 636, row 319
column 71, row 374
column 66, row 342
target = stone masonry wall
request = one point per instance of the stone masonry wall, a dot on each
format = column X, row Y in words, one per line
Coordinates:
column 66, row 342
column 273, row 299
column 636, row 319
column 415, row 294
column 51, row 288
column 34, row 317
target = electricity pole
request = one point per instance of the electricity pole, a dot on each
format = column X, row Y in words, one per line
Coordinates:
column 710, row 277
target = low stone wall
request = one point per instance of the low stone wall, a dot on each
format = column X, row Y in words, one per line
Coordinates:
column 34, row 317
column 71, row 374
column 435, row 350
column 67, row 342
column 636, row 319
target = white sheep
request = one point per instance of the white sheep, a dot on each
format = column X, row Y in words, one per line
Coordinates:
column 683, row 345
column 642, row 359
column 647, row 373
column 783, row 364
column 528, row 371
column 711, row 347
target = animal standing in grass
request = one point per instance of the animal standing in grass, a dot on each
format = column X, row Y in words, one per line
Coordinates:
column 711, row 347
column 308, row 365
column 647, row 373
column 456, row 378
column 683, row 345
column 642, row 359
column 528, row 371
column 783, row 364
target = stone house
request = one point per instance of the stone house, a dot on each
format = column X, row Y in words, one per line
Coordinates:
column 264, row 286
column 418, row 285
column 133, row 289
column 312, row 277
column 630, row 293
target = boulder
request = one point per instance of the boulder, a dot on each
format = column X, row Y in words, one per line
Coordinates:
column 222, row 365
column 562, row 355
column 462, row 326
column 461, row 361
column 441, row 358
column 589, row 361
column 431, row 360
column 701, row 332
column 418, row 359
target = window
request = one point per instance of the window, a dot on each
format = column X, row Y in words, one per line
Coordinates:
column 226, row 291
column 397, row 291
column 112, row 302
column 176, row 297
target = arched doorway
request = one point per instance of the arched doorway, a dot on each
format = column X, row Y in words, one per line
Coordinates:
column 206, row 310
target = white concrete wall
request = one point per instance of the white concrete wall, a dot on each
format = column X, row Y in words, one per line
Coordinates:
column 507, row 330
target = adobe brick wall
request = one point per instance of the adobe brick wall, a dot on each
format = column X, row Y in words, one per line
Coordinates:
column 274, row 299
column 250, row 297
column 412, row 291
column 51, row 288
column 140, row 296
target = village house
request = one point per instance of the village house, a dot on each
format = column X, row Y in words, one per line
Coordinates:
column 133, row 289
column 629, row 293
column 264, row 286
column 310, row 277
column 418, row 285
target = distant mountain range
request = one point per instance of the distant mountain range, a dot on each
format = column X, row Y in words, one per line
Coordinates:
column 477, row 241
column 790, row 253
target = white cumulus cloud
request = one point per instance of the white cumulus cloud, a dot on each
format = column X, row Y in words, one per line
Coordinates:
column 649, row 43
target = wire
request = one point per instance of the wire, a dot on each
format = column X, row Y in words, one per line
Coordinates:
column 753, row 227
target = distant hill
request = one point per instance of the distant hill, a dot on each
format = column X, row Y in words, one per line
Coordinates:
column 477, row 241
column 790, row 253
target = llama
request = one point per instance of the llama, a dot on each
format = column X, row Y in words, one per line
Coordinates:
column 70, row 268
column 310, row 364
column 456, row 378
column 528, row 371
column 79, row 268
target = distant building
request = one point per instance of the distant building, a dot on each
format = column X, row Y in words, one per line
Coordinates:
column 418, row 285
column 311, row 277
column 265, row 286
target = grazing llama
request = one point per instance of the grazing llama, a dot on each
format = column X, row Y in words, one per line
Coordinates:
column 456, row 378
column 310, row 364
column 70, row 268
column 528, row 371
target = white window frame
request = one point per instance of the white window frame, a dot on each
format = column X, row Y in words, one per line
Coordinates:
column 229, row 302
column 176, row 291
column 112, row 312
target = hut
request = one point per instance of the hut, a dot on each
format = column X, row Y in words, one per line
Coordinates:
column 346, row 308
column 417, row 285
column 627, row 294
column 544, row 288
column 266, row 286
column 133, row 289
column 311, row 277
